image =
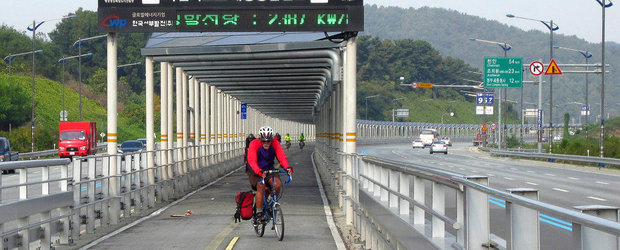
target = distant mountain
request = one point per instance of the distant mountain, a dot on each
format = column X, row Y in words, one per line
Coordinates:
column 448, row 31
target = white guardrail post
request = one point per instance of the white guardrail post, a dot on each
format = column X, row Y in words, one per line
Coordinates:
column 439, row 206
column 589, row 238
column 525, row 227
column 478, row 220
column 418, row 196
column 77, row 201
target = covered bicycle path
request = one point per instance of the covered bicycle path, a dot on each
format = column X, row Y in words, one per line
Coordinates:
column 211, row 226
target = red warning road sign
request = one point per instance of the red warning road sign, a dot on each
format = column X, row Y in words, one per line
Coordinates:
column 553, row 69
column 537, row 68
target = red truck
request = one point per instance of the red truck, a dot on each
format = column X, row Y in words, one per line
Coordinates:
column 77, row 139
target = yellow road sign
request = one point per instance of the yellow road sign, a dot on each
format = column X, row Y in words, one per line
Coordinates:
column 425, row 85
column 553, row 69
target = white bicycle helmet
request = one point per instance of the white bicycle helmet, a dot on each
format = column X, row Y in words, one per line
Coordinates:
column 265, row 133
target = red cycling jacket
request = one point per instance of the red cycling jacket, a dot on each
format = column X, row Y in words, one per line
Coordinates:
column 261, row 159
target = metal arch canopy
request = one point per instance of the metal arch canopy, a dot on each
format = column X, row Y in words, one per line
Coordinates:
column 288, row 76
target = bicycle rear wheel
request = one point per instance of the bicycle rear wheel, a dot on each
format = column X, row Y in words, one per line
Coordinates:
column 278, row 221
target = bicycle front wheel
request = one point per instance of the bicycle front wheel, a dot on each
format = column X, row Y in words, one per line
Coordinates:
column 259, row 227
column 278, row 221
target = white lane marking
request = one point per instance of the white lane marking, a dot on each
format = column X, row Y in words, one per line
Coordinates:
column 530, row 171
column 596, row 198
column 475, row 171
column 328, row 211
column 490, row 175
column 531, row 183
column 508, row 178
column 561, row 190
column 513, row 168
column 451, row 166
column 462, row 169
column 573, row 178
column 604, row 183
column 441, row 164
column 550, row 174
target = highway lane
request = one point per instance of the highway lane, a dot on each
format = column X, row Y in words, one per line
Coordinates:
column 558, row 184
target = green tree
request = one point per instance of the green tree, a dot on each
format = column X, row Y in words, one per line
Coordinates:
column 15, row 104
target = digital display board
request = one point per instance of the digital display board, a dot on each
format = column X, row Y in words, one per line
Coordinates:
column 230, row 16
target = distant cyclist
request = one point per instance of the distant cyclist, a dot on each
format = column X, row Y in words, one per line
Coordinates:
column 302, row 138
column 248, row 169
column 287, row 141
column 261, row 155
column 278, row 137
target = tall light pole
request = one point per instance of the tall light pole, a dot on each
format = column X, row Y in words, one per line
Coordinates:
column 393, row 100
column 9, row 59
column 79, row 44
column 603, row 6
column 372, row 96
column 63, row 61
column 34, row 28
column 505, row 47
column 552, row 27
column 587, row 55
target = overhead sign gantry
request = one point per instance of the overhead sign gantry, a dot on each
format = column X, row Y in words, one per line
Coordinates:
column 230, row 15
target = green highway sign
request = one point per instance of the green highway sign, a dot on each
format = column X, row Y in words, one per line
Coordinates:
column 503, row 72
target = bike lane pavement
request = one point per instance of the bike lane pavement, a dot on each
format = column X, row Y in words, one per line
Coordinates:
column 212, row 227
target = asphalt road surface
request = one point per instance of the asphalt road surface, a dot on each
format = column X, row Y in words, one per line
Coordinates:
column 558, row 184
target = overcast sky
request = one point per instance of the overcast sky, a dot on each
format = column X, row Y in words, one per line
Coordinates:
column 574, row 17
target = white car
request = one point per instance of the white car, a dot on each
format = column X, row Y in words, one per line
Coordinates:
column 417, row 143
column 439, row 147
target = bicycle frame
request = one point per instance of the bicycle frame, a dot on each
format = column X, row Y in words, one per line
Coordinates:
column 271, row 203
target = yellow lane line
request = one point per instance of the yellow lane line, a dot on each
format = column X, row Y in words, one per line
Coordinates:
column 221, row 236
column 232, row 243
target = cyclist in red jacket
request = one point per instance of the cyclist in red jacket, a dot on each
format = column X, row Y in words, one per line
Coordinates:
column 261, row 155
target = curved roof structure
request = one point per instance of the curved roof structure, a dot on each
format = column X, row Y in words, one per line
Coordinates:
column 283, row 75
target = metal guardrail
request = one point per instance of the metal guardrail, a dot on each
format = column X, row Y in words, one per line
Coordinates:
column 50, row 152
column 387, row 182
column 90, row 193
column 600, row 161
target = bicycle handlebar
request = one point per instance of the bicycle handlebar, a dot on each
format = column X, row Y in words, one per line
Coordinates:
column 290, row 178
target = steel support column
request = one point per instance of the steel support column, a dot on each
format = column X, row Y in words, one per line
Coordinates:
column 150, row 130
column 115, row 206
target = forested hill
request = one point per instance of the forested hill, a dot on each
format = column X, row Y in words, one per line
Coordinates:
column 449, row 31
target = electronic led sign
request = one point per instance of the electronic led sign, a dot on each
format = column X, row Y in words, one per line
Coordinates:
column 230, row 15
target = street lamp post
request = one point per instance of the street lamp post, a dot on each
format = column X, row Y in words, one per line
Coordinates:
column 79, row 44
column 9, row 59
column 129, row 64
column 551, row 26
column 393, row 100
column 587, row 55
column 34, row 28
column 63, row 61
column 603, row 6
column 505, row 47
column 372, row 96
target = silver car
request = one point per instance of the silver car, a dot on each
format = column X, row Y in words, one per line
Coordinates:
column 439, row 147
column 417, row 143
